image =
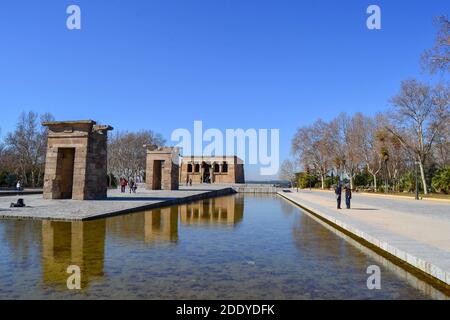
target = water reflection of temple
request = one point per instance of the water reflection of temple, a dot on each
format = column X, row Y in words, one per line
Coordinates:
column 83, row 243
column 161, row 225
column 158, row 226
column 72, row 243
column 225, row 210
column 151, row 227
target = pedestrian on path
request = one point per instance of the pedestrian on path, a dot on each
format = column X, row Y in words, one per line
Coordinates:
column 19, row 187
column 131, row 185
column 348, row 196
column 338, row 192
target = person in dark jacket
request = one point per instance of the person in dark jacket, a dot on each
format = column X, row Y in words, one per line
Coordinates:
column 338, row 192
column 348, row 196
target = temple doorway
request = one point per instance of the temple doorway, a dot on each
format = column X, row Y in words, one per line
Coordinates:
column 206, row 173
column 158, row 166
column 64, row 171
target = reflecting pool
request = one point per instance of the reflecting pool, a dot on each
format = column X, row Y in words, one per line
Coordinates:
column 234, row 247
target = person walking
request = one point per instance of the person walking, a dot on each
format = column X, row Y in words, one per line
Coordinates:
column 19, row 187
column 338, row 192
column 125, row 184
column 121, row 184
column 190, row 182
column 348, row 196
column 131, row 186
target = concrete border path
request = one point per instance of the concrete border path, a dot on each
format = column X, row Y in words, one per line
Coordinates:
column 415, row 232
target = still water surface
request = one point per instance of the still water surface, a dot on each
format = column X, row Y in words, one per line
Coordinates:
column 234, row 247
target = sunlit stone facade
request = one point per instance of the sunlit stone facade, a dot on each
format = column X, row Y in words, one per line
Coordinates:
column 219, row 169
column 76, row 160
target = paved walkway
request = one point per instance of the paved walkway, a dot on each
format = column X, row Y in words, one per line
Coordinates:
column 116, row 203
column 417, row 232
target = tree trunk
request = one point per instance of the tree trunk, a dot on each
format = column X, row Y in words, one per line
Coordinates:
column 322, row 180
column 422, row 175
column 375, row 182
column 33, row 185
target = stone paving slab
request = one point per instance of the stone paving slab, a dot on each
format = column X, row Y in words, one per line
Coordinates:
column 116, row 203
column 416, row 232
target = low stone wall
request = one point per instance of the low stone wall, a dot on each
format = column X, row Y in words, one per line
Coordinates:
column 255, row 188
column 13, row 192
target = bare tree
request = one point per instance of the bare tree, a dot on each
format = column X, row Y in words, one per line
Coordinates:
column 441, row 150
column 313, row 147
column 27, row 146
column 438, row 57
column 2, row 149
column 127, row 154
column 288, row 171
column 398, row 157
column 371, row 131
column 420, row 114
column 347, row 139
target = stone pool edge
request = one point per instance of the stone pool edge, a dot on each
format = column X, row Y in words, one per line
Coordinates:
column 430, row 271
column 160, row 204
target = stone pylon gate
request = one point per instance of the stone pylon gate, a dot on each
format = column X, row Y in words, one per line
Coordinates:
column 163, row 169
column 76, row 161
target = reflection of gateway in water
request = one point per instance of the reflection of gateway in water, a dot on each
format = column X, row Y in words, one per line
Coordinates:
column 72, row 243
column 161, row 225
column 226, row 210
column 83, row 243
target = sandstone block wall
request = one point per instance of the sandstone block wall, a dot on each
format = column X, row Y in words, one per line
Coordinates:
column 85, row 176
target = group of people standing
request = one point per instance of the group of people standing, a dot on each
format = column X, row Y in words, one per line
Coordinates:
column 347, row 193
column 123, row 183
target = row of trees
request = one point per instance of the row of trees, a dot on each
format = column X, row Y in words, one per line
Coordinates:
column 22, row 152
column 127, row 154
column 415, row 132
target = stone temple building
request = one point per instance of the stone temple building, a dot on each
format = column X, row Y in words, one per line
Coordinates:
column 162, row 169
column 76, row 160
column 216, row 169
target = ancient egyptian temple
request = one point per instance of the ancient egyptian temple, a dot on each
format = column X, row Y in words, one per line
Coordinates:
column 76, row 160
column 217, row 169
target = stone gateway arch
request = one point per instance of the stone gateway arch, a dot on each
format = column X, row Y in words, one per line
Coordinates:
column 76, row 160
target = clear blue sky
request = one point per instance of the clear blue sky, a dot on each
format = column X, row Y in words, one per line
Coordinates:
column 162, row 64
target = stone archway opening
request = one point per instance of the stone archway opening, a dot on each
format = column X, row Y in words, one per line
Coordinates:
column 64, row 172
column 158, row 166
column 206, row 172
column 163, row 169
